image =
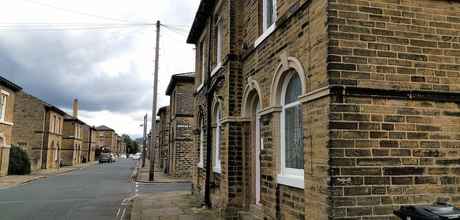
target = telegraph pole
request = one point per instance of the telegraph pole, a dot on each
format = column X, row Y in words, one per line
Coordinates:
column 144, row 141
column 154, row 107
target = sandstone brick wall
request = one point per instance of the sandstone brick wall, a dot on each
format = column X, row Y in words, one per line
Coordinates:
column 6, row 131
column 106, row 139
column 89, row 143
column 198, row 173
column 395, row 44
column 301, row 33
column 184, row 98
column 317, row 158
column 180, row 131
column 54, row 148
column 71, row 150
column 163, row 135
column 28, row 131
column 387, row 152
column 368, row 150
column 402, row 148
column 36, row 129
column 54, row 123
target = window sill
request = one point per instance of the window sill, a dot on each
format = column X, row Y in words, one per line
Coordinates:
column 200, row 165
column 6, row 146
column 216, row 69
column 199, row 87
column 265, row 35
column 6, row 123
column 293, row 181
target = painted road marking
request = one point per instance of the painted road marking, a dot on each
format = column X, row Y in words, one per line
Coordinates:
column 118, row 213
column 123, row 215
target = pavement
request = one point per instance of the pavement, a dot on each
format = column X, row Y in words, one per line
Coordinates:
column 159, row 177
column 166, row 198
column 100, row 192
column 15, row 180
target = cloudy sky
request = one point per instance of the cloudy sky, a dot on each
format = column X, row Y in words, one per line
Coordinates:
column 58, row 50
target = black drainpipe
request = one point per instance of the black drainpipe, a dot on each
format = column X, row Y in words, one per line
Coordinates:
column 209, row 96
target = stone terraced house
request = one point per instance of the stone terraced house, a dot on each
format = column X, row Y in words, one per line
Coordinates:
column 71, row 150
column 106, row 138
column 8, row 92
column 89, row 143
column 180, row 154
column 38, row 130
column 326, row 109
column 119, row 145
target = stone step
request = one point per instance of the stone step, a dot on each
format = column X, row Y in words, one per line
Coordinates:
column 244, row 215
column 254, row 213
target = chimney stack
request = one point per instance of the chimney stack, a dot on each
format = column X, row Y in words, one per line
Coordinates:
column 75, row 108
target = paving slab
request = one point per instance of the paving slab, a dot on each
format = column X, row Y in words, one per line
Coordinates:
column 179, row 205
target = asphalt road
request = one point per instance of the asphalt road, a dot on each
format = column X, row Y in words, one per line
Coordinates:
column 99, row 192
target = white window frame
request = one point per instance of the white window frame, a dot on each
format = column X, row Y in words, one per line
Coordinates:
column 219, row 46
column 265, row 25
column 267, row 30
column 202, row 65
column 59, row 125
column 56, row 127
column 52, row 123
column 217, row 165
column 288, row 176
column 201, row 159
column 5, row 95
column 220, row 41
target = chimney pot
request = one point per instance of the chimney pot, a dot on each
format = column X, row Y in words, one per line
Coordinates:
column 75, row 108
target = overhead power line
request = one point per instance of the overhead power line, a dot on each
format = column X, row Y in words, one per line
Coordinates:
column 12, row 24
column 75, row 12
column 179, row 31
column 10, row 28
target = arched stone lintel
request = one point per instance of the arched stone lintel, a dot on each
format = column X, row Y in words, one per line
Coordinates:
column 252, row 86
column 286, row 64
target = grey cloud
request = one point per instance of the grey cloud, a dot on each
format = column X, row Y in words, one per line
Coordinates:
column 60, row 66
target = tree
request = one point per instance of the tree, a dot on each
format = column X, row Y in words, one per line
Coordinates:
column 131, row 146
column 19, row 161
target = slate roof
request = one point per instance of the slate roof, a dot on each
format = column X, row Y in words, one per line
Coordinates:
column 68, row 117
column 180, row 77
column 45, row 104
column 9, row 84
column 204, row 11
column 164, row 108
column 104, row 128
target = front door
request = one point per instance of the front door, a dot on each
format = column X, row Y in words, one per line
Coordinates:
column 257, row 153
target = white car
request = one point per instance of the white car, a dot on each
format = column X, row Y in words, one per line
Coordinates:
column 136, row 157
column 123, row 156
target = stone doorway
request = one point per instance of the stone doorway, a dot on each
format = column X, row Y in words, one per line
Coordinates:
column 253, row 149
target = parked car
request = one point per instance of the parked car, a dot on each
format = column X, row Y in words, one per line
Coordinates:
column 123, row 156
column 105, row 158
column 113, row 158
column 136, row 157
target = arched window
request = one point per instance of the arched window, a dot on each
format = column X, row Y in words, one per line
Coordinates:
column 201, row 159
column 292, row 156
column 216, row 147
